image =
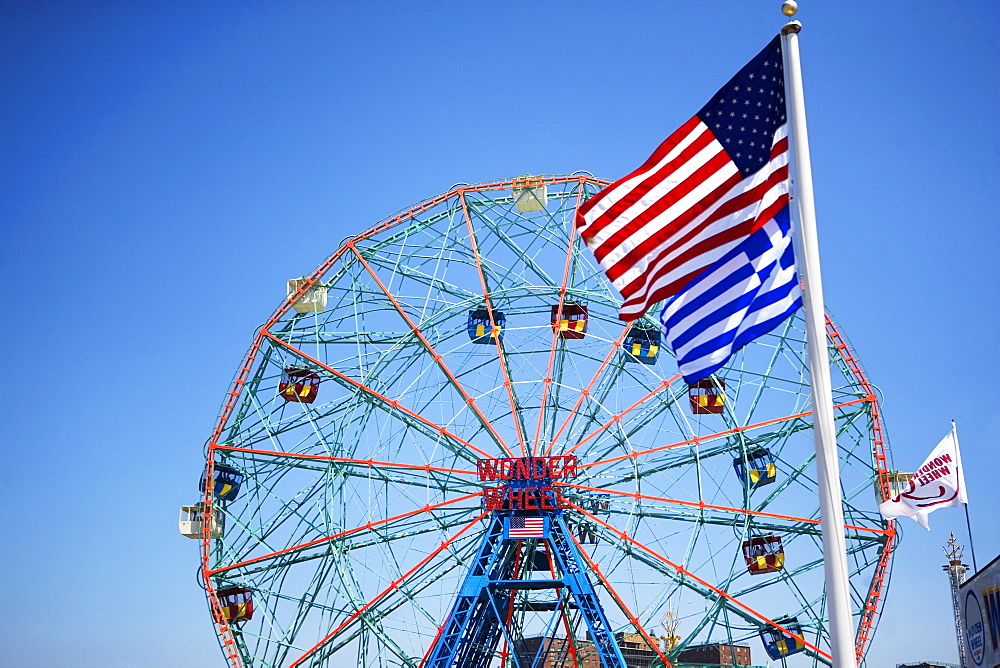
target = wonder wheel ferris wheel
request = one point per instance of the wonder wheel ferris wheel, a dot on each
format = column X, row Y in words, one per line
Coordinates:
column 444, row 449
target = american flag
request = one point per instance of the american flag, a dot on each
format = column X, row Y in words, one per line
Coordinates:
column 526, row 527
column 716, row 180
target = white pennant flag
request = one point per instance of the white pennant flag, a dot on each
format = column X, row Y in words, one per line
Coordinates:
column 938, row 483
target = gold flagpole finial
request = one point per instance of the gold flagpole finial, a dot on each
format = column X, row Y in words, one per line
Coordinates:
column 789, row 7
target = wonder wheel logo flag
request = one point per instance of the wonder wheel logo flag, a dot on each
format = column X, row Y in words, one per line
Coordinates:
column 526, row 527
column 938, row 483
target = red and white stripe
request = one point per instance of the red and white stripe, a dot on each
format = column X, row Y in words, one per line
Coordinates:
column 685, row 207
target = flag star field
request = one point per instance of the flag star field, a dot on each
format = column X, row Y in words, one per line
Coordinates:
column 748, row 109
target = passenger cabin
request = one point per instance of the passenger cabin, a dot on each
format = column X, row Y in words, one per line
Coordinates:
column 764, row 554
column 299, row 384
column 571, row 322
column 312, row 300
column 642, row 344
column 530, row 194
column 191, row 522
column 899, row 482
column 226, row 482
column 757, row 469
column 778, row 644
column 707, row 395
column 237, row 604
column 482, row 330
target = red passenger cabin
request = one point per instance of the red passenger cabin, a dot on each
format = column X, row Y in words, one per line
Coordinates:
column 299, row 384
column 571, row 321
column 237, row 604
column 764, row 554
column 707, row 396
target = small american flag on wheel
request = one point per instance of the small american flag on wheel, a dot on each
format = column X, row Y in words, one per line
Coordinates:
column 526, row 527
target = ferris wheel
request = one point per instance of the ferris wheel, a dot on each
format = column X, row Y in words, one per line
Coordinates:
column 445, row 449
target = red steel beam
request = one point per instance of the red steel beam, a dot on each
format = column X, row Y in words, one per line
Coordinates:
column 391, row 402
column 507, row 383
column 596, row 569
column 395, row 584
column 698, row 439
column 345, row 460
column 686, row 573
column 326, row 539
column 874, row 596
column 616, row 419
column 709, row 506
column 547, row 380
column 469, row 400
column 585, row 392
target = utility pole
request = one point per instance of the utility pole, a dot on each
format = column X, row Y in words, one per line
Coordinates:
column 956, row 574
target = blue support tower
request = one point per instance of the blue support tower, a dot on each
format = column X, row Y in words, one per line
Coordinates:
column 494, row 586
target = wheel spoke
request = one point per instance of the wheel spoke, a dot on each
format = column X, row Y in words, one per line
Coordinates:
column 436, row 356
column 347, row 532
column 688, row 574
column 395, row 584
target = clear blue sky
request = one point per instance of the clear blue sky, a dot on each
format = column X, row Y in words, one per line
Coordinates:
column 167, row 166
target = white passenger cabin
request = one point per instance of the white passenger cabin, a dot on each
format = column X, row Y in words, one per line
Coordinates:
column 530, row 194
column 314, row 299
column 190, row 522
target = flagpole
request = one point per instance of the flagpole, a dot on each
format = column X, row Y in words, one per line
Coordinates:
column 968, row 524
column 838, row 599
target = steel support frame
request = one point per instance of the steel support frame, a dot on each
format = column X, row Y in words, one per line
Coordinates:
column 472, row 630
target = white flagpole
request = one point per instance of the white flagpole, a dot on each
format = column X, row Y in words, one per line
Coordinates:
column 838, row 599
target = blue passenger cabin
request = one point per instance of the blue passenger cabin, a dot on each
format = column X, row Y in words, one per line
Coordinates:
column 757, row 468
column 481, row 330
column 778, row 644
column 226, row 482
column 642, row 344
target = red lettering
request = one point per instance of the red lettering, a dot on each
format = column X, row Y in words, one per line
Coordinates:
column 527, row 468
column 946, row 458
